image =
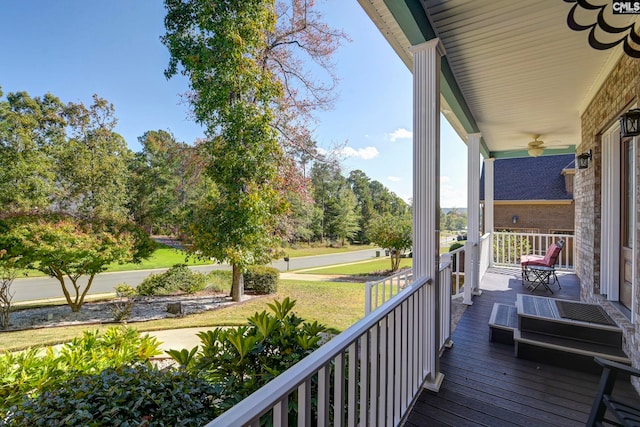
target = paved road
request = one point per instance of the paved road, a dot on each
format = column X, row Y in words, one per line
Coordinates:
column 329, row 259
column 45, row 287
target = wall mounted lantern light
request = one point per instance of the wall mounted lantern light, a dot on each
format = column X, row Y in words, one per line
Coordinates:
column 630, row 123
column 515, row 219
column 583, row 160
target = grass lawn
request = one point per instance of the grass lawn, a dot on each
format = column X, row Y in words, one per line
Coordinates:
column 315, row 301
column 360, row 268
column 163, row 257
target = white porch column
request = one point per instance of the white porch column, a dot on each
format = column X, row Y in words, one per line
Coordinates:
column 472, row 264
column 426, row 194
column 488, row 203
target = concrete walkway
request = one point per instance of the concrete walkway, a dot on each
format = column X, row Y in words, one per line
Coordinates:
column 177, row 339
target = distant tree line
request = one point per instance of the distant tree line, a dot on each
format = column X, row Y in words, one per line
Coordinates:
column 453, row 219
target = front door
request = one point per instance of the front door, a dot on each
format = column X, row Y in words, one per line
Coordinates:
column 626, row 222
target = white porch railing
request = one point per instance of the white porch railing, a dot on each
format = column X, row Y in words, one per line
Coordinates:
column 380, row 291
column 457, row 268
column 368, row 375
column 485, row 254
column 508, row 247
column 446, row 294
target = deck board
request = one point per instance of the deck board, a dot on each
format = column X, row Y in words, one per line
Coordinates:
column 486, row 385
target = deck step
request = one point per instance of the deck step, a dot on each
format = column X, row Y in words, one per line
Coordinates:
column 566, row 352
column 560, row 332
column 502, row 323
column 584, row 322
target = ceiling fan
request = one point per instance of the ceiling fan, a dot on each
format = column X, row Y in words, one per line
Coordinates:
column 536, row 147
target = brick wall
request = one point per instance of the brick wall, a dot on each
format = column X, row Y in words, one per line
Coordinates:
column 621, row 88
column 543, row 217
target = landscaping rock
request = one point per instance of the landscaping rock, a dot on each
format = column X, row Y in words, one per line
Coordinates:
column 146, row 308
column 175, row 308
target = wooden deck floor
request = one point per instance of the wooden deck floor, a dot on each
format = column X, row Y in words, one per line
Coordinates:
column 485, row 384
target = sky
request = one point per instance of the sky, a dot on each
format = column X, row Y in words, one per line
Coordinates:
column 76, row 48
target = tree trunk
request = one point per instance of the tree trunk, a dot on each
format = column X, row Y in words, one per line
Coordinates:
column 237, row 284
column 395, row 260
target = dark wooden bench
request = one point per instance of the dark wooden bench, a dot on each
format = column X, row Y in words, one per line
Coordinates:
column 605, row 403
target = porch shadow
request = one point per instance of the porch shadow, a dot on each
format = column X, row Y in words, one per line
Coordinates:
column 485, row 384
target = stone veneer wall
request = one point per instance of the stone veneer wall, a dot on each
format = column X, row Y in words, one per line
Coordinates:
column 619, row 91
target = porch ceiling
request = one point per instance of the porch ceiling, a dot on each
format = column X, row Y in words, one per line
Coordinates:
column 512, row 70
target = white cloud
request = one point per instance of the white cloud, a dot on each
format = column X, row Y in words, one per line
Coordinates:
column 400, row 133
column 452, row 195
column 366, row 153
column 394, row 178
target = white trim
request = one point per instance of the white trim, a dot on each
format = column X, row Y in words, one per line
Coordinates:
column 533, row 202
column 634, row 224
column 610, row 220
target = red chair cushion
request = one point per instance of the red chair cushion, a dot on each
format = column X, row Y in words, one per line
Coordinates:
column 549, row 259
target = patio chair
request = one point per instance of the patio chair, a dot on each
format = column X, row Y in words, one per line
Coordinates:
column 549, row 260
column 605, row 403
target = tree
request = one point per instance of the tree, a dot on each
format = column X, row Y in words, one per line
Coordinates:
column 297, row 224
column 29, row 128
column 327, row 181
column 62, row 157
column 9, row 268
column 67, row 248
column 299, row 42
column 167, row 177
column 393, row 233
column 453, row 220
column 344, row 224
column 221, row 48
column 359, row 183
column 250, row 89
column 92, row 163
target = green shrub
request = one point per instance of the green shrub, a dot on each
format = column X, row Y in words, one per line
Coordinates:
column 511, row 248
column 261, row 279
column 178, row 278
column 151, row 285
column 122, row 305
column 28, row 373
column 123, row 396
column 125, row 291
column 455, row 246
column 241, row 360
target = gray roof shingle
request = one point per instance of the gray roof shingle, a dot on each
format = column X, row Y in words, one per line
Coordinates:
column 530, row 178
